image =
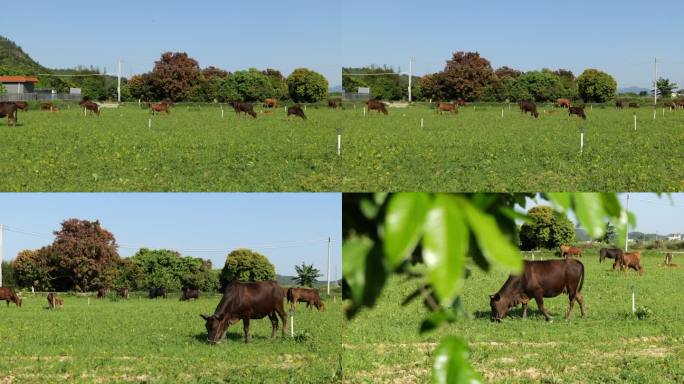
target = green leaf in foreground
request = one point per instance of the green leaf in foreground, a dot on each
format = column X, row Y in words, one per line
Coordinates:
column 451, row 364
column 590, row 213
column 404, row 221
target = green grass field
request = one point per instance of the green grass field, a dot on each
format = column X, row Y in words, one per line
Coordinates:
column 160, row 341
column 610, row 345
column 192, row 149
column 479, row 151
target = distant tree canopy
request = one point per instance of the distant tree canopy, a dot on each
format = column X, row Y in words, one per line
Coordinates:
column 246, row 265
column 547, row 229
column 307, row 86
column 596, row 86
column 465, row 76
column 665, row 87
column 306, row 275
column 152, row 268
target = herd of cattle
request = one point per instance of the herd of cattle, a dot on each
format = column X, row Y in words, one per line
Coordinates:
column 241, row 301
column 550, row 278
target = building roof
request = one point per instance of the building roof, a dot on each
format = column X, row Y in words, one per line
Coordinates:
column 18, row 79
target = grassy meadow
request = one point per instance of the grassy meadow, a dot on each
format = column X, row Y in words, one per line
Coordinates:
column 194, row 149
column 610, row 345
column 160, row 341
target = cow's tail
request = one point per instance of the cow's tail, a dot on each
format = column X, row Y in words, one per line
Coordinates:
column 581, row 283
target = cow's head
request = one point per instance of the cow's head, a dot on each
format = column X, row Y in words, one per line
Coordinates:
column 17, row 300
column 499, row 307
column 217, row 327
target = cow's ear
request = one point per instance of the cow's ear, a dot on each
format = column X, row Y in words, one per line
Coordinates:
column 205, row 317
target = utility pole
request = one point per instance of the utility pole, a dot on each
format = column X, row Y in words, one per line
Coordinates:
column 329, row 251
column 627, row 227
column 410, row 96
column 655, row 83
column 1, row 253
column 118, row 88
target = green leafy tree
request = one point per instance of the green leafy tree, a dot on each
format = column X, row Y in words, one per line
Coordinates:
column 596, row 86
column 246, row 265
column 32, row 269
column 278, row 84
column 8, row 275
column 546, row 229
column 609, row 236
column 307, row 86
column 537, row 86
column 385, row 84
column 665, row 87
column 306, row 275
column 249, row 85
column 448, row 234
column 3, row 90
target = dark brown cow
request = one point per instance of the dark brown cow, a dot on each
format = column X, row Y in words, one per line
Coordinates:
column 122, row 292
column 10, row 110
column 619, row 104
column 563, row 103
column 609, row 253
column 189, row 293
column 305, row 295
column 22, row 105
column 243, row 107
column 379, row 106
column 334, row 103
column 447, row 107
column 91, row 106
column 540, row 279
column 8, row 295
column 296, row 110
column 157, row 292
column 633, row 105
column 54, row 301
column 567, row 250
column 630, row 260
column 160, row 108
column 528, row 106
column 47, row 106
column 271, row 103
column 102, row 292
column 579, row 111
column 245, row 301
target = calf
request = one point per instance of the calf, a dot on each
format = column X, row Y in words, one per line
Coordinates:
column 379, row 106
column 563, row 103
column 540, row 279
column 296, row 110
column 629, row 260
column 8, row 295
column 271, row 103
column 102, row 292
column 619, row 104
column 334, row 103
column 528, row 106
column 579, row 111
column 633, row 105
column 305, row 295
column 22, row 105
column 447, row 107
column 54, row 301
column 90, row 106
column 122, row 292
column 567, row 250
column 162, row 107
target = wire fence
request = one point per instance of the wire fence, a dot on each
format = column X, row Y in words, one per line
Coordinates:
column 40, row 97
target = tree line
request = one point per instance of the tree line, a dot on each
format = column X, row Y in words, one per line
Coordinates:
column 471, row 77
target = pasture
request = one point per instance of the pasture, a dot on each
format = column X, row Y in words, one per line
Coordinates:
column 610, row 345
column 192, row 149
column 160, row 341
column 478, row 150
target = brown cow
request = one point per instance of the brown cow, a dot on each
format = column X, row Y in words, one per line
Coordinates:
column 245, row 301
column 610, row 253
column 102, row 292
column 9, row 109
column 305, row 295
column 334, row 103
column 461, row 102
column 540, row 279
column 122, row 292
column 619, row 104
column 679, row 103
column 160, row 108
column 529, row 106
column 271, row 103
column 379, row 106
column 629, row 260
column 669, row 104
column 189, row 293
column 8, row 295
column 47, row 106
column 579, row 111
column 22, row 105
column 447, row 107
column 54, row 301
column 563, row 103
column 567, row 250
column 296, row 110
column 90, row 106
column 243, row 107
column 633, row 105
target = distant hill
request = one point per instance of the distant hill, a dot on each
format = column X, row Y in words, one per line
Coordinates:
column 13, row 60
column 636, row 90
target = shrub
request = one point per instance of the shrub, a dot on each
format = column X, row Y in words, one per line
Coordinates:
column 246, row 265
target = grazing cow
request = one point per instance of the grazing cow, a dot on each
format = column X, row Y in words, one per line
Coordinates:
column 189, row 293
column 669, row 104
column 271, row 103
column 633, row 105
column 563, row 103
column 54, row 301
column 122, row 292
column 679, row 103
column 157, row 292
column 10, row 110
column 567, row 250
column 579, row 111
column 629, row 260
column 334, row 103
column 305, row 295
column 47, row 106
column 668, row 258
column 540, row 279
column 102, row 292
column 610, row 253
column 243, row 107
column 528, row 106
column 245, row 301
column 447, row 107
column 379, row 106
column 296, row 110
column 22, row 105
column 90, row 106
column 461, row 102
column 619, row 104
column 8, row 295
column 160, row 108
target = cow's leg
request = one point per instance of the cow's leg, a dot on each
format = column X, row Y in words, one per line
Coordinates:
column 245, row 324
column 572, row 298
column 580, row 301
column 274, row 323
column 524, row 306
column 540, row 303
column 283, row 317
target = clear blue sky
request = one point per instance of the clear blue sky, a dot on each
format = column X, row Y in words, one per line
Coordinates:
column 288, row 228
column 662, row 214
column 228, row 34
column 621, row 38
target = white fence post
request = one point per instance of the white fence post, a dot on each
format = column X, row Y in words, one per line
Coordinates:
column 633, row 301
